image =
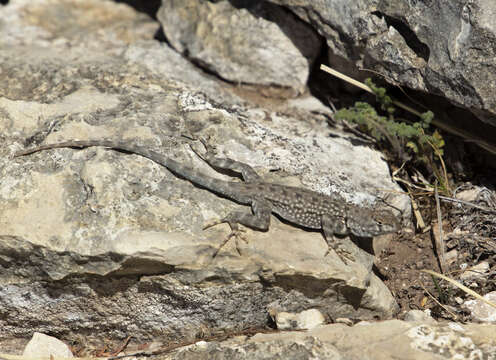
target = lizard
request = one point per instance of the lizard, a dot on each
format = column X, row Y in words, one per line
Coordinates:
column 298, row 206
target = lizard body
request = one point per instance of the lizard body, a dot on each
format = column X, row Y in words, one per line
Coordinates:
column 297, row 205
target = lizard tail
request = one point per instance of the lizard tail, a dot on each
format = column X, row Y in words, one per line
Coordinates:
column 188, row 172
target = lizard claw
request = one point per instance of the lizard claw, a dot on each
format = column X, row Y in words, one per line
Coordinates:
column 209, row 150
column 236, row 233
column 197, row 151
column 213, row 222
column 344, row 255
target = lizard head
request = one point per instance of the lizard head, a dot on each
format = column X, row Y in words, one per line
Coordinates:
column 364, row 222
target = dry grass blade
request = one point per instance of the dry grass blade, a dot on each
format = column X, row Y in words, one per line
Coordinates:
column 446, row 127
column 346, row 78
column 460, row 286
column 418, row 216
column 413, row 186
column 437, row 302
column 491, row 211
column 440, row 248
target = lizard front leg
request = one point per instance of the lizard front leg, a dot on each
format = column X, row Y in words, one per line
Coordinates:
column 258, row 220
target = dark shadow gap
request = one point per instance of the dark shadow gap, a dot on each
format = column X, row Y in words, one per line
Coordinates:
column 411, row 39
column 149, row 7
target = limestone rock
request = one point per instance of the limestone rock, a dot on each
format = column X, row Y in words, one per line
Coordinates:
column 477, row 271
column 482, row 311
column 307, row 319
column 419, row 316
column 382, row 341
column 42, row 345
column 250, row 42
column 430, row 47
column 108, row 244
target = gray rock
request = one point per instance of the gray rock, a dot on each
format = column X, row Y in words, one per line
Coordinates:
column 443, row 50
column 44, row 346
column 382, row 341
column 307, row 319
column 482, row 311
column 251, row 42
column 419, row 316
column 108, row 244
column 477, row 271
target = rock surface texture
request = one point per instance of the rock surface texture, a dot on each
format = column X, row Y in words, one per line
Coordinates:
column 446, row 49
column 256, row 43
column 391, row 339
column 100, row 244
column 110, row 244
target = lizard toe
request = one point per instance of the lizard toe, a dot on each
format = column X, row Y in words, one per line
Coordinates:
column 213, row 222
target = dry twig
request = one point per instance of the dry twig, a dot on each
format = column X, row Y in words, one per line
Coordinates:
column 460, row 286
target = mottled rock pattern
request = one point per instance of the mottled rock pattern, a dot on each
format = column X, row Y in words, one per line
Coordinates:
column 252, row 42
column 107, row 244
column 42, row 345
column 392, row 339
column 438, row 48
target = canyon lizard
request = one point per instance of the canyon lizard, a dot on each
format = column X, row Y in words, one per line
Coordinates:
column 298, row 206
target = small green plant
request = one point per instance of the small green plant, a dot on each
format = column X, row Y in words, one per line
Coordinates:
column 408, row 140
